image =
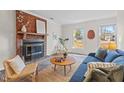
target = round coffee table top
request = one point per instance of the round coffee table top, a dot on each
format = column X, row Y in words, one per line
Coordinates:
column 67, row 61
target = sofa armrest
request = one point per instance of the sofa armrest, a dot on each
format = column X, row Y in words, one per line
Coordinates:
column 96, row 75
column 78, row 76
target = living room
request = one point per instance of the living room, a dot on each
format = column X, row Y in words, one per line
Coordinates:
column 66, row 36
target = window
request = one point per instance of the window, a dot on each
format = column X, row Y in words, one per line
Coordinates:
column 107, row 35
column 78, row 37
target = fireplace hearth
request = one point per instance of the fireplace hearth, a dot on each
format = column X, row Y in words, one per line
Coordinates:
column 33, row 49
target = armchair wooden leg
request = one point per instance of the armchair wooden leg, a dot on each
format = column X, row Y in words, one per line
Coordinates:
column 34, row 77
column 5, row 78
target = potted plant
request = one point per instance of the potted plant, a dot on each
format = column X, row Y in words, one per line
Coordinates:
column 62, row 42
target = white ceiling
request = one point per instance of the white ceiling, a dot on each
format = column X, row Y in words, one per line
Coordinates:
column 75, row 16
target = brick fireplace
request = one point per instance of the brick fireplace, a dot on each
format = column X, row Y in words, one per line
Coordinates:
column 30, row 44
column 32, row 49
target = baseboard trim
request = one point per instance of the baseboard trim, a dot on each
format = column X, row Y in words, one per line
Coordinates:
column 70, row 53
column 77, row 53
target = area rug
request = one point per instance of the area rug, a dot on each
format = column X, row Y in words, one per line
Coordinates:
column 47, row 73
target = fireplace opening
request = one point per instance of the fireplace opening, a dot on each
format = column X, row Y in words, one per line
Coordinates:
column 33, row 49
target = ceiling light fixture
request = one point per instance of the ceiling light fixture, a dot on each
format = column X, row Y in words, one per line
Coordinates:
column 51, row 18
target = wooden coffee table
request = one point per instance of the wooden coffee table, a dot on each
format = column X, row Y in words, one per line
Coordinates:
column 68, row 62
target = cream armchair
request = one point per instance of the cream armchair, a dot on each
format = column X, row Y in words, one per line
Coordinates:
column 93, row 65
column 29, row 70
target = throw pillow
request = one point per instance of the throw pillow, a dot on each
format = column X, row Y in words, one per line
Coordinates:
column 111, row 55
column 17, row 64
column 121, row 52
column 119, row 60
column 101, row 53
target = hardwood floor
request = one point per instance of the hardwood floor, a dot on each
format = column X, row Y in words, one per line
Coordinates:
column 46, row 71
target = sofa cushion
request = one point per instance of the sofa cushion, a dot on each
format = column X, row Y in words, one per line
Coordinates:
column 101, row 53
column 119, row 60
column 91, row 59
column 17, row 64
column 111, row 55
column 120, row 52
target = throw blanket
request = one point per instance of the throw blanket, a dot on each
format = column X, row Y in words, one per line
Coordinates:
column 94, row 65
column 110, row 74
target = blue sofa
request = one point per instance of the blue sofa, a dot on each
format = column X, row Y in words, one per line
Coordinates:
column 116, row 56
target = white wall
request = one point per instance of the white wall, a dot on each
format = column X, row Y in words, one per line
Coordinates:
column 52, row 27
column 7, row 35
column 120, row 24
column 89, row 45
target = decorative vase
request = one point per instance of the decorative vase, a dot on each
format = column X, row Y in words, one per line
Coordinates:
column 24, row 28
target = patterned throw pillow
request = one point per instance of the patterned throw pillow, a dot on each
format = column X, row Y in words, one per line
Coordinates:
column 101, row 53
